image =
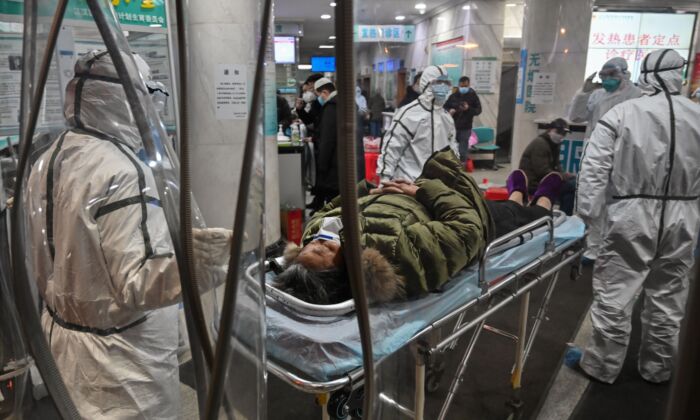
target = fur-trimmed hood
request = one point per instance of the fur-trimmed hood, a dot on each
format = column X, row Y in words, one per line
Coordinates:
column 382, row 281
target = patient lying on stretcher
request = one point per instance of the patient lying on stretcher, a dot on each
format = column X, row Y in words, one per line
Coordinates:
column 415, row 237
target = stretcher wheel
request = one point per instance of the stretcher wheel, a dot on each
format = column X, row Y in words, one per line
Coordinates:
column 338, row 405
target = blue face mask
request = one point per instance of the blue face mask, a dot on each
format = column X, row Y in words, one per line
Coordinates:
column 321, row 100
column 440, row 91
column 464, row 90
column 611, row 85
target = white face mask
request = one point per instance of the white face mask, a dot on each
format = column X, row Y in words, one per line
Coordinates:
column 556, row 137
column 330, row 229
column 308, row 96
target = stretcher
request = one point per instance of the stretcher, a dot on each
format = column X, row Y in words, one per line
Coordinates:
column 317, row 349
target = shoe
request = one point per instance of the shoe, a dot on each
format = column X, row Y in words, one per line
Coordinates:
column 517, row 181
column 550, row 187
column 572, row 359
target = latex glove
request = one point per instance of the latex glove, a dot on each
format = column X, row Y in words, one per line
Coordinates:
column 211, row 246
column 589, row 86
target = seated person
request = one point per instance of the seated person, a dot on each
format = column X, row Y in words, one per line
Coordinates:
column 541, row 157
column 415, row 236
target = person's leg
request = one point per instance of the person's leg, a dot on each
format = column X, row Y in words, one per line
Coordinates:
column 618, row 277
column 510, row 215
column 666, row 292
column 567, row 197
column 463, row 144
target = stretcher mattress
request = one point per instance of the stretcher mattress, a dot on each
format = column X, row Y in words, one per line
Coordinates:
column 325, row 348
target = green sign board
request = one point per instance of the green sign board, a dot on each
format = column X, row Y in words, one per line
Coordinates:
column 129, row 12
column 384, row 33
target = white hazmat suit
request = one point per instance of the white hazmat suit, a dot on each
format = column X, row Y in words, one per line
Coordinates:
column 590, row 106
column 103, row 256
column 417, row 130
column 641, row 169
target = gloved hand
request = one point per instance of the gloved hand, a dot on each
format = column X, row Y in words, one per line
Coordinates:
column 211, row 246
column 589, row 86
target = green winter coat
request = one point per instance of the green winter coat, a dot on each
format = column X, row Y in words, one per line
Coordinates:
column 426, row 239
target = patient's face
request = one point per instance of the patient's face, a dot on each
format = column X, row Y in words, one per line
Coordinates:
column 320, row 255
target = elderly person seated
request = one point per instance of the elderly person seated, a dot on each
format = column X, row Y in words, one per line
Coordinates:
column 415, row 237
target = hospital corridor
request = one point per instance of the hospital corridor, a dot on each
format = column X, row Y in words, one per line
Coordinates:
column 349, row 209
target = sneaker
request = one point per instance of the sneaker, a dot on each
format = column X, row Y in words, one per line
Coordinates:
column 517, row 181
column 549, row 187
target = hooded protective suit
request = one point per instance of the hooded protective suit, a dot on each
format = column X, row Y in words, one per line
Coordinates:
column 641, row 169
column 590, row 107
column 103, row 257
column 418, row 130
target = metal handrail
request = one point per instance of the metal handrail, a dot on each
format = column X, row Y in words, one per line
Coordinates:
column 547, row 220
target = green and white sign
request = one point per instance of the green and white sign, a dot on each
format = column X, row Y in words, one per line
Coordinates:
column 129, row 12
column 384, row 33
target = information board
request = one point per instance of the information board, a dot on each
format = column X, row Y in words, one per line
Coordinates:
column 634, row 35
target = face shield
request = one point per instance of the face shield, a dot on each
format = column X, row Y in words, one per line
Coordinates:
column 159, row 95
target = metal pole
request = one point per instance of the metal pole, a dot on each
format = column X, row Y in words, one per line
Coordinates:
column 540, row 315
column 520, row 345
column 457, row 379
column 31, row 325
column 348, row 191
column 174, row 89
column 420, row 387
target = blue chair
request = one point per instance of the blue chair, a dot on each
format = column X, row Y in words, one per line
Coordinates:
column 485, row 149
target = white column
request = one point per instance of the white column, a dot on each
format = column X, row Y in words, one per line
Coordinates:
column 555, row 32
column 224, row 32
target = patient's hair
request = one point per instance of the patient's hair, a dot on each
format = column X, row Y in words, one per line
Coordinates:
column 324, row 287
column 331, row 286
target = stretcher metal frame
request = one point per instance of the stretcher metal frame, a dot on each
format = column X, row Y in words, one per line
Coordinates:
column 497, row 294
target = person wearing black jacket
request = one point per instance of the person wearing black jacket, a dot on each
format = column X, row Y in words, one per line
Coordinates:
column 326, row 143
column 463, row 105
column 307, row 107
column 412, row 92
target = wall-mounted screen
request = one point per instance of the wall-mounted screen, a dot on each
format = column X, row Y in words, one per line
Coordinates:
column 285, row 50
column 322, row 64
column 633, row 35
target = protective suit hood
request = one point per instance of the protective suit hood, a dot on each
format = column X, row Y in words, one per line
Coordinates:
column 616, row 67
column 429, row 74
column 96, row 101
column 662, row 71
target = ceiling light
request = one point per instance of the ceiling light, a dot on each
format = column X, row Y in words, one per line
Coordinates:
column 304, row 66
column 333, row 4
column 326, row 46
column 422, row 12
column 511, row 4
column 566, row 50
column 331, row 37
column 400, row 17
column 325, row 17
column 469, row 46
column 466, row 7
column 440, row 18
column 562, row 31
column 299, row 32
column 421, row 6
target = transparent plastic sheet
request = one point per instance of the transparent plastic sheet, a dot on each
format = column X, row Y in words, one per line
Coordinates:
column 223, row 44
column 13, row 354
column 121, row 234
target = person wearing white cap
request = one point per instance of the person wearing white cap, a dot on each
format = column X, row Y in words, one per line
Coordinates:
column 326, row 161
column 418, row 130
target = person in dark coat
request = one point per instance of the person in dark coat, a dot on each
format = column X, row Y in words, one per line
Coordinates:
column 284, row 112
column 542, row 154
column 412, row 92
column 463, row 105
column 376, row 108
column 307, row 107
column 326, row 143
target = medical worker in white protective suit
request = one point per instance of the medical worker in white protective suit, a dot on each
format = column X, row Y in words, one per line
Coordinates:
column 590, row 103
column 418, row 129
column 642, row 168
column 103, row 255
